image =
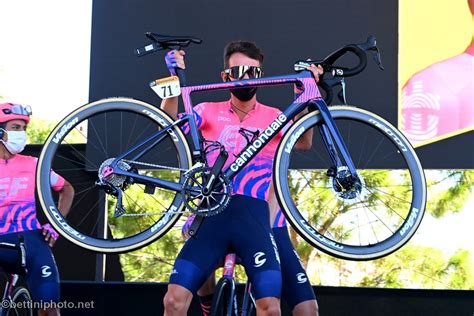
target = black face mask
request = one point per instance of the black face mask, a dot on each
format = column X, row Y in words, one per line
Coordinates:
column 244, row 94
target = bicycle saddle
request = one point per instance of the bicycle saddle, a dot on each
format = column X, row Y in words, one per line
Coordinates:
column 169, row 40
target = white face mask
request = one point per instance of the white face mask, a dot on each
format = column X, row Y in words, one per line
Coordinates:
column 16, row 141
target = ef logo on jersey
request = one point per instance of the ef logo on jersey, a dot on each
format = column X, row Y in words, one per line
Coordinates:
column 45, row 271
column 259, row 260
column 9, row 187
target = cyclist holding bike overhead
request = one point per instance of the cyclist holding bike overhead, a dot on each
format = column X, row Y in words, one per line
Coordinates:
column 18, row 211
column 243, row 227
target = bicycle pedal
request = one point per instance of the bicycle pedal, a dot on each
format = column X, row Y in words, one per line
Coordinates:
column 150, row 189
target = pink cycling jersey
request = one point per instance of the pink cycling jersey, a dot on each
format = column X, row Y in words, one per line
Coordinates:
column 217, row 121
column 17, row 194
column 439, row 100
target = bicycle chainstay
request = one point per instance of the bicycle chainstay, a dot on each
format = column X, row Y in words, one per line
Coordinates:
column 115, row 184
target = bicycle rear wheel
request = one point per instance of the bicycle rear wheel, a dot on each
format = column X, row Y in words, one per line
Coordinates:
column 80, row 148
column 224, row 300
column 21, row 297
column 386, row 205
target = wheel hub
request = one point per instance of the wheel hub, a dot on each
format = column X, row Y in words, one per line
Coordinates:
column 106, row 174
column 346, row 186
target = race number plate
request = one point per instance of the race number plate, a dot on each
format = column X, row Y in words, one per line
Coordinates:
column 167, row 87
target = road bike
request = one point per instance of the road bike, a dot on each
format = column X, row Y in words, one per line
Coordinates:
column 15, row 299
column 358, row 193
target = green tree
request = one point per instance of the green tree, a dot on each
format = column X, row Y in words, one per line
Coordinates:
column 448, row 190
column 38, row 130
column 411, row 266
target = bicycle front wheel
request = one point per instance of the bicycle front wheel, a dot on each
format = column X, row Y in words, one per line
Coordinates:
column 384, row 206
column 224, row 300
column 80, row 149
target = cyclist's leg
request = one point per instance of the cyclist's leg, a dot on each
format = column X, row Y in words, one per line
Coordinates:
column 296, row 290
column 43, row 275
column 209, row 285
column 177, row 300
column 195, row 262
column 206, row 293
column 253, row 242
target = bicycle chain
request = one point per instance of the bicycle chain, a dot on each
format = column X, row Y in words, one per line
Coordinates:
column 148, row 214
column 155, row 165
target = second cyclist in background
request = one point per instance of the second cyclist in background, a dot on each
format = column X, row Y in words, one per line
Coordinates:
column 18, row 210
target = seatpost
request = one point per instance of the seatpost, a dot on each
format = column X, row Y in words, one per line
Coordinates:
column 181, row 76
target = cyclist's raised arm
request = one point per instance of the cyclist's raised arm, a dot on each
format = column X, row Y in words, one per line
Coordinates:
column 174, row 59
column 66, row 196
column 170, row 106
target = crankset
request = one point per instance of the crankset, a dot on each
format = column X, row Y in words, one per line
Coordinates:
column 199, row 198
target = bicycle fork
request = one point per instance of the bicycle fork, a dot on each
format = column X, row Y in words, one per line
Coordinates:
column 343, row 171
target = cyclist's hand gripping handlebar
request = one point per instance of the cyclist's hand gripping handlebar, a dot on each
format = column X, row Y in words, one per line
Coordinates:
column 338, row 72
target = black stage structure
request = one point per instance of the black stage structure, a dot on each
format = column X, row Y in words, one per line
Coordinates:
column 287, row 31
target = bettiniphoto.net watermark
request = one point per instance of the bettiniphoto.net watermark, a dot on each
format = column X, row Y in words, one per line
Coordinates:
column 47, row 304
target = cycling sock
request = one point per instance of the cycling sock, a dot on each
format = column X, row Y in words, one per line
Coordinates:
column 206, row 303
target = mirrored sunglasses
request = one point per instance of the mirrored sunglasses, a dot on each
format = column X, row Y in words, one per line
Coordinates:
column 239, row 72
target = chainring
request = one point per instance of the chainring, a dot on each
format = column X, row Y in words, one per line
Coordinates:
column 199, row 203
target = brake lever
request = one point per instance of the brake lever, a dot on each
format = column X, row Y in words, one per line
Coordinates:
column 371, row 45
column 377, row 58
column 342, row 94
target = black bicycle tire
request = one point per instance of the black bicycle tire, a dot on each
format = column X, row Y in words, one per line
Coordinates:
column 310, row 234
column 46, row 200
column 251, row 308
column 16, row 294
column 222, row 296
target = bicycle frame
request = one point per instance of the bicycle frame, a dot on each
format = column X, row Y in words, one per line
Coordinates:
column 310, row 98
column 12, row 278
column 9, row 285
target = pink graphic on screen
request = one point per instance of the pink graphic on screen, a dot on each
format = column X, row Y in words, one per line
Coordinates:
column 438, row 101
